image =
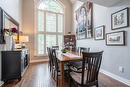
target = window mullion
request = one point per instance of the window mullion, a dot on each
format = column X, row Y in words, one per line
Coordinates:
column 57, row 29
column 45, row 32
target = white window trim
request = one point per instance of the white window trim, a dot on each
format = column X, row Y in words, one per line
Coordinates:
column 47, row 33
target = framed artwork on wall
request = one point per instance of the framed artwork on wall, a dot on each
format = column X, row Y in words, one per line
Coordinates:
column 120, row 19
column 84, row 21
column 1, row 27
column 99, row 33
column 115, row 38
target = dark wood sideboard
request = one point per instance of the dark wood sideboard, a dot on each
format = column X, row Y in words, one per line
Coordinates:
column 14, row 64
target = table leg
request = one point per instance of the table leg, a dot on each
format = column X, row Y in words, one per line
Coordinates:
column 62, row 75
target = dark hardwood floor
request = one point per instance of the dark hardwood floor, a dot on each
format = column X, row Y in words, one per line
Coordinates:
column 38, row 75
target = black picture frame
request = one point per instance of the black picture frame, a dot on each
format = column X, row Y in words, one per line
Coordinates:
column 120, row 18
column 1, row 27
column 84, row 21
column 101, row 31
column 116, row 38
column 6, row 16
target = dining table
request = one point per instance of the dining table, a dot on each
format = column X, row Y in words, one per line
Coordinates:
column 64, row 58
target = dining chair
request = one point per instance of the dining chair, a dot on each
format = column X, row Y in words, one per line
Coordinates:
column 56, row 66
column 50, row 58
column 51, row 61
column 78, row 64
column 87, row 77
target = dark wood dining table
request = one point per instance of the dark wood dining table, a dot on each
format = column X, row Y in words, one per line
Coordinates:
column 65, row 58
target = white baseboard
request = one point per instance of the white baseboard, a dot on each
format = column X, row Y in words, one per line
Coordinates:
column 116, row 77
column 38, row 60
column 1, row 83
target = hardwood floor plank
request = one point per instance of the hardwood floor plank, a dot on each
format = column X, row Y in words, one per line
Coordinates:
column 38, row 75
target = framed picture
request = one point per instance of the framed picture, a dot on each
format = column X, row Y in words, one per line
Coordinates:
column 120, row 19
column 84, row 21
column 1, row 27
column 115, row 38
column 99, row 32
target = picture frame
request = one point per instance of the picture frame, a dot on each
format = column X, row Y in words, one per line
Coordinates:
column 115, row 38
column 84, row 21
column 99, row 33
column 1, row 27
column 120, row 19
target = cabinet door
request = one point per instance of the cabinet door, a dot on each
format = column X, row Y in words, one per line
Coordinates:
column 11, row 64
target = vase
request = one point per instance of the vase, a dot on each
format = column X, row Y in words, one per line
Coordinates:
column 8, row 43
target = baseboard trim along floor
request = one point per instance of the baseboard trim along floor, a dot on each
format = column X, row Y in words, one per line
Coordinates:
column 116, row 77
column 1, row 83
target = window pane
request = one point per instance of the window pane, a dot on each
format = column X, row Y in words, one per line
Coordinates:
column 51, row 5
column 60, row 41
column 50, row 22
column 40, row 21
column 50, row 40
column 60, row 23
column 40, row 44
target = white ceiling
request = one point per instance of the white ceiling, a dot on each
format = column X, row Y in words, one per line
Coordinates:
column 106, row 3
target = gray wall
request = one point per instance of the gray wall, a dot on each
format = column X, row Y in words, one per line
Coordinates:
column 114, row 56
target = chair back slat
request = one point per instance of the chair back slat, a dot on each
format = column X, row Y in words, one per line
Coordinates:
column 91, row 63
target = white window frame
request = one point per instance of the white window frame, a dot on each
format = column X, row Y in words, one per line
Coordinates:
column 47, row 33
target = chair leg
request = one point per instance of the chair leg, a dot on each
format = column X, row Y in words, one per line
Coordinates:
column 97, row 84
column 57, row 80
column 54, row 74
column 70, row 82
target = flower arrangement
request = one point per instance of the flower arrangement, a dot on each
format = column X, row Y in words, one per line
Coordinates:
column 11, row 31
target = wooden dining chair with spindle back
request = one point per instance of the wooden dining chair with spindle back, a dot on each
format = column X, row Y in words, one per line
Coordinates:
column 56, row 66
column 87, row 77
column 50, row 58
column 78, row 64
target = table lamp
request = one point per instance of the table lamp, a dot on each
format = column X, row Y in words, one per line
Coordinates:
column 23, row 39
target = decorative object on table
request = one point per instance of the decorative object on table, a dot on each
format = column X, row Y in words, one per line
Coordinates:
column 115, row 38
column 70, row 42
column 9, row 40
column 99, row 33
column 84, row 22
column 23, row 39
column 64, row 51
column 11, row 31
column 17, row 46
column 120, row 19
column 9, row 43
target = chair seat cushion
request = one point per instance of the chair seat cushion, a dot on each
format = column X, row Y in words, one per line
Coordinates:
column 77, row 65
column 78, row 76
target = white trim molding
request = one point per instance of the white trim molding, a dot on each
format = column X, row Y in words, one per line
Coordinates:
column 39, row 60
column 1, row 83
column 116, row 77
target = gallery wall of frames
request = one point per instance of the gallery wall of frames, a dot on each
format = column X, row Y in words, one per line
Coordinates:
column 85, row 30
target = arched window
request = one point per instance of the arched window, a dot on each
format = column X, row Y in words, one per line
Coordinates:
column 51, row 5
column 50, row 25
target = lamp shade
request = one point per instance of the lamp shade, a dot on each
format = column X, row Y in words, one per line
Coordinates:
column 23, row 38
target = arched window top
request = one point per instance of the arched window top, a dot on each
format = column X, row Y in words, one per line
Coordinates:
column 51, row 5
